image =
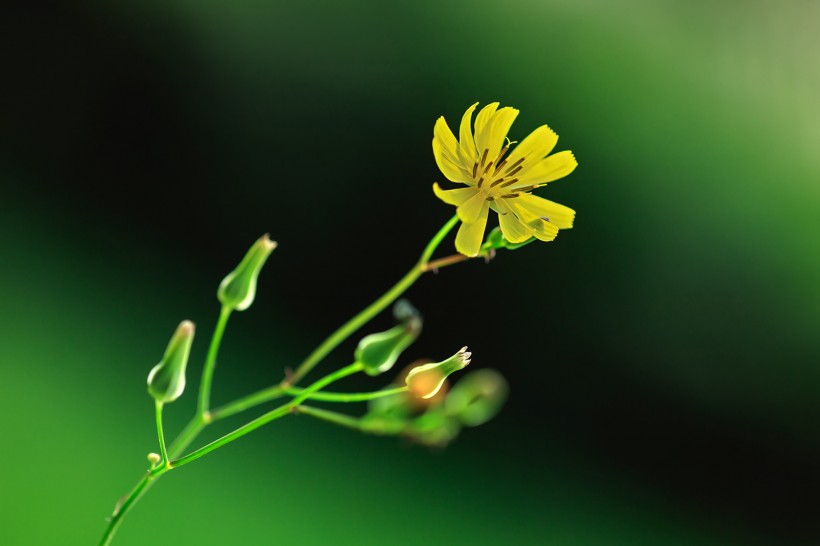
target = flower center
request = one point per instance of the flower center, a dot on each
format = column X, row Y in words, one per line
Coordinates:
column 494, row 181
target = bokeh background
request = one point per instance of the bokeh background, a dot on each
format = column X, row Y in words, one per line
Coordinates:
column 663, row 356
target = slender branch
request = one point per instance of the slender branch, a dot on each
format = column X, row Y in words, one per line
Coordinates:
column 160, row 435
column 272, row 415
column 330, row 416
column 188, row 434
column 323, row 396
column 125, row 503
column 373, row 309
column 210, row 364
column 247, row 402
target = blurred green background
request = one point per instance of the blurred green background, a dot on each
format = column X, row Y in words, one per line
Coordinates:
column 663, row 355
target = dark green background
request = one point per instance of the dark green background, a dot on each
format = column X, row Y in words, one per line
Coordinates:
column 663, row 355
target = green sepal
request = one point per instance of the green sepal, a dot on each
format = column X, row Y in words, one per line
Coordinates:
column 495, row 240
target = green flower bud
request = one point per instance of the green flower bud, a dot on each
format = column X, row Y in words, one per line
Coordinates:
column 477, row 397
column 378, row 352
column 425, row 381
column 167, row 379
column 238, row 289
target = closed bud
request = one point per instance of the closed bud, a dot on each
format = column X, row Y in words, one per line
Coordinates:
column 167, row 379
column 477, row 397
column 425, row 381
column 379, row 352
column 238, row 289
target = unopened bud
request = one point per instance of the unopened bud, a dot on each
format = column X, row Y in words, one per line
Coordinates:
column 238, row 289
column 379, row 352
column 425, row 381
column 477, row 397
column 167, row 379
column 154, row 458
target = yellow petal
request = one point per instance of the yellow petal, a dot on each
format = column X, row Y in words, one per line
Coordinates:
column 529, row 207
column 497, row 130
column 551, row 168
column 482, row 120
column 448, row 165
column 470, row 236
column 466, row 142
column 543, row 230
column 453, row 197
column 472, row 208
column 512, row 228
column 536, row 146
column 442, row 133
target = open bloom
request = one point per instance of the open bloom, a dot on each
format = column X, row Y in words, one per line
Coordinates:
column 500, row 183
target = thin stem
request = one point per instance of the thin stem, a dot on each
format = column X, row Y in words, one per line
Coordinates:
column 272, row 415
column 247, row 402
column 373, row 309
column 188, row 434
column 160, row 435
column 330, row 416
column 210, row 364
column 125, row 504
column 323, row 396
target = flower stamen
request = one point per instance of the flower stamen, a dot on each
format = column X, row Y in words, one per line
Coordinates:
column 509, row 182
column 484, row 155
column 480, row 181
column 514, row 165
column 509, row 195
column 475, row 170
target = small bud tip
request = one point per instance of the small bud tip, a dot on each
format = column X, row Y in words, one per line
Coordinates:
column 267, row 242
column 187, row 327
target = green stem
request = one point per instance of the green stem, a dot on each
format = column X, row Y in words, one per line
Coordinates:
column 247, row 402
column 272, row 415
column 373, row 309
column 330, row 416
column 323, row 396
column 210, row 364
column 125, row 504
column 160, row 435
column 188, row 434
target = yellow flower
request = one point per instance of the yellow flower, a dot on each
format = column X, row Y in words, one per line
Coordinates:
column 499, row 183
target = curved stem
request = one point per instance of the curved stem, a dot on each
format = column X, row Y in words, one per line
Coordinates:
column 210, row 364
column 323, row 396
column 373, row 309
column 160, row 435
column 272, row 415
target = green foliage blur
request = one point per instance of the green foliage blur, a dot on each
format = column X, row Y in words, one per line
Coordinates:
column 663, row 356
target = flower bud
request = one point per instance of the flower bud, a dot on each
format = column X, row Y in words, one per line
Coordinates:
column 477, row 397
column 167, row 379
column 378, row 352
column 238, row 289
column 425, row 381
